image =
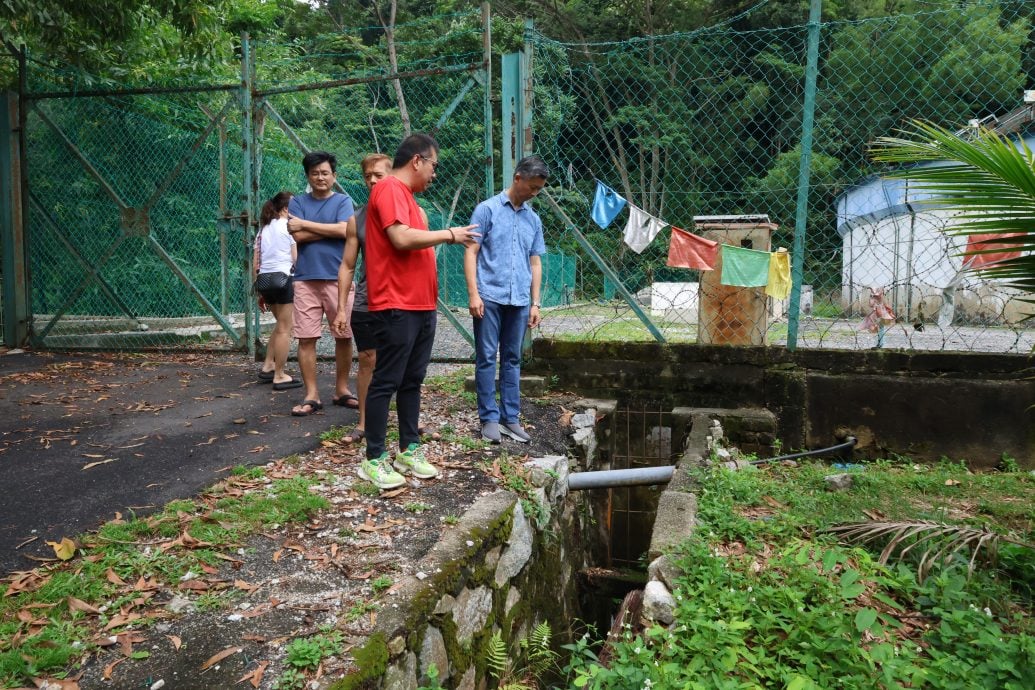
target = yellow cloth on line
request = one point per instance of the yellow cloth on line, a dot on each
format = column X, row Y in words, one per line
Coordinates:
column 778, row 285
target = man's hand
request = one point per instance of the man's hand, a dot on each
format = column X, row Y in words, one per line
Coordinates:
column 465, row 235
column 341, row 322
column 294, row 223
column 476, row 306
column 534, row 317
column 262, row 305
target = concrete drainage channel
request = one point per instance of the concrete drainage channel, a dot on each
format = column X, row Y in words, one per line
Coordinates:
column 564, row 552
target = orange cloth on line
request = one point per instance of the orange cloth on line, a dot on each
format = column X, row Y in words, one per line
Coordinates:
column 985, row 241
column 779, row 284
column 686, row 250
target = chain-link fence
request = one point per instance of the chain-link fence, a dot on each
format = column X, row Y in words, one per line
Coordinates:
column 142, row 200
column 709, row 124
column 140, row 206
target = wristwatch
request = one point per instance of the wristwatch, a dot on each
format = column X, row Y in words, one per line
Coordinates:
column 536, row 304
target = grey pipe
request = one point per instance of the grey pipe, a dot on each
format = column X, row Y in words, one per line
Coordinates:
column 606, row 479
column 640, row 476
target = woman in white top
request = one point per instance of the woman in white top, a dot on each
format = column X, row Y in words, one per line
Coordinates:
column 275, row 252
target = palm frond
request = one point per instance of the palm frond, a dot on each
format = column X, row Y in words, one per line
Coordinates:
column 936, row 543
column 987, row 179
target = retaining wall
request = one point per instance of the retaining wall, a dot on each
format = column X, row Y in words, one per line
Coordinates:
column 499, row 569
column 926, row 405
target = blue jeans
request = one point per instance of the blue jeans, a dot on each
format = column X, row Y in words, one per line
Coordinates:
column 502, row 330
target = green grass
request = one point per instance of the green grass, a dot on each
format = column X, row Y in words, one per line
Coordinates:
column 453, row 384
column 334, row 434
column 127, row 549
column 767, row 599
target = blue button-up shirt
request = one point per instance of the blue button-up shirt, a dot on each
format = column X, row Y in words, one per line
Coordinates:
column 509, row 236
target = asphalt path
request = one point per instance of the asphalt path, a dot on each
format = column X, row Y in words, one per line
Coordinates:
column 87, row 436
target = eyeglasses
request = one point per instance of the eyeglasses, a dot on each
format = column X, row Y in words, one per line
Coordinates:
column 434, row 164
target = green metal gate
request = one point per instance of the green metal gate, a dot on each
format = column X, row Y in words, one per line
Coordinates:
column 142, row 202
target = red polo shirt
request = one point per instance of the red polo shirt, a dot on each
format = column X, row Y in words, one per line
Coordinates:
column 397, row 278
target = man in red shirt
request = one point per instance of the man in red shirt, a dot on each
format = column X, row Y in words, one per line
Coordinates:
column 402, row 293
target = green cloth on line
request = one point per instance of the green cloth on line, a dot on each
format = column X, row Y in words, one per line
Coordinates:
column 744, row 267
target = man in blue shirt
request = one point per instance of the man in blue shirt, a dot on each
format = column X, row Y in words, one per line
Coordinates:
column 319, row 222
column 504, row 274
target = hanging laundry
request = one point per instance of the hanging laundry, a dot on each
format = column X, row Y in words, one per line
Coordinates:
column 687, row 250
column 606, row 205
column 744, row 267
column 778, row 286
column 641, row 229
column 984, row 242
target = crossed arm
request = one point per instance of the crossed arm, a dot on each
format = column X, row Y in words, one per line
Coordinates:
column 310, row 231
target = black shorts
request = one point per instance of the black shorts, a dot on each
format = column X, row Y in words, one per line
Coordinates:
column 364, row 330
column 285, row 295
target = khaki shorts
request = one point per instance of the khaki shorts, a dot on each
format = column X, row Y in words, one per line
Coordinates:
column 315, row 299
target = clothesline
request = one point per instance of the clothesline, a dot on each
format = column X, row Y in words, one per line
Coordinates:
column 740, row 266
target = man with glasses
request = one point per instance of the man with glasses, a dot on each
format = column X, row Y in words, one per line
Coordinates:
column 319, row 222
column 504, row 272
column 402, row 292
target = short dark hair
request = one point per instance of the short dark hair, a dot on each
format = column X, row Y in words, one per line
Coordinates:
column 315, row 158
column 414, row 145
column 532, row 166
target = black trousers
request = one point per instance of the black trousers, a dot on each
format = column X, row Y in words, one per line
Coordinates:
column 404, row 341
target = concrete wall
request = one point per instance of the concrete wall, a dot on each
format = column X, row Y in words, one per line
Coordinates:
column 922, row 404
column 499, row 569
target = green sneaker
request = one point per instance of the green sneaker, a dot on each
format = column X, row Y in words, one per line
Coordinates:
column 412, row 461
column 380, row 473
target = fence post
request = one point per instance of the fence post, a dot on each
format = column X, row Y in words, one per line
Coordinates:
column 16, row 303
column 490, row 184
column 251, row 315
column 801, row 213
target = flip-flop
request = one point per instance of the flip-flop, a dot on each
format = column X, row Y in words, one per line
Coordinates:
column 287, row 385
column 313, row 406
column 356, row 436
column 348, row 400
column 264, row 376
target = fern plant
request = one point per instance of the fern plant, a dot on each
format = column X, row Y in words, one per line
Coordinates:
column 933, row 542
column 537, row 658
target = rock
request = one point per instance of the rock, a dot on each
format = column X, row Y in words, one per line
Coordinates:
column 433, row 651
column 519, row 548
column 658, row 603
column 179, row 604
column 839, row 482
column 472, row 610
column 664, row 570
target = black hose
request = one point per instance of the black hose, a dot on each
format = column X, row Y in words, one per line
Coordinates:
column 849, row 442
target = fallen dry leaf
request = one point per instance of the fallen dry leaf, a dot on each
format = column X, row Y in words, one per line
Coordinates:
column 255, row 677
column 111, row 667
column 63, row 549
column 80, row 605
column 215, row 659
column 246, row 586
column 176, row 641
column 99, row 462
